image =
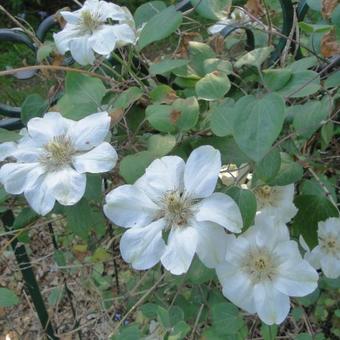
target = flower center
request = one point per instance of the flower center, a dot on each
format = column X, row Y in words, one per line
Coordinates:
column 89, row 22
column 176, row 208
column 265, row 195
column 57, row 153
column 330, row 245
column 260, row 265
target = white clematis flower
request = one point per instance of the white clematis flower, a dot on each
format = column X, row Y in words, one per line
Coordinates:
column 88, row 30
column 326, row 255
column 53, row 156
column 262, row 268
column 276, row 201
column 175, row 197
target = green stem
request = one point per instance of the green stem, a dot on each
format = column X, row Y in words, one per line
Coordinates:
column 130, row 71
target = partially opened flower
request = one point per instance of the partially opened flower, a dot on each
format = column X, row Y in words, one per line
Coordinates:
column 98, row 26
column 174, row 198
column 53, row 156
column 276, row 201
column 263, row 268
column 326, row 255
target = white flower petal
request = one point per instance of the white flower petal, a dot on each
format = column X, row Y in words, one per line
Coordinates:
column 103, row 40
column 271, row 305
column 268, row 232
column 40, row 197
column 128, row 206
column 112, row 11
column 52, row 124
column 81, row 50
column 329, row 227
column 221, row 209
column 100, row 159
column 67, row 185
column 236, row 286
column 63, row 38
column 162, row 175
column 237, row 248
column 144, row 246
column 16, row 177
column 297, row 278
column 180, row 250
column 314, row 257
column 124, row 35
column 7, row 149
column 330, row 266
column 211, row 246
column 90, row 131
column 201, row 171
column 71, row 17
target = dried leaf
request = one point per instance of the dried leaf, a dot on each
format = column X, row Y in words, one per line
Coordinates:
column 328, row 6
column 217, row 43
column 186, row 37
column 116, row 116
column 329, row 45
column 254, row 7
column 174, row 116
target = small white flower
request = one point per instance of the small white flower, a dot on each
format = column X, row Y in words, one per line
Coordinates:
column 175, row 197
column 89, row 30
column 53, row 156
column 6, row 150
column 262, row 268
column 231, row 174
column 276, row 201
column 326, row 255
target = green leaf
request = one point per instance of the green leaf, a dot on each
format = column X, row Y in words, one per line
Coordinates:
column 312, row 209
column 129, row 333
column 226, row 318
column 181, row 115
column 198, row 273
column 269, row 166
column 309, row 28
column 162, row 94
column 275, row 79
column 160, row 26
column 215, row 64
column 167, row 65
column 301, row 84
column 269, row 332
column 303, row 64
column 33, row 106
column 93, row 187
column 199, row 53
column 211, row 9
column 128, row 97
column 45, row 50
column 213, row 86
column 8, row 136
column 161, row 145
column 149, row 310
column 83, row 95
column 55, row 295
column 313, row 187
column 176, row 315
column 257, row 124
column 333, row 80
column 179, row 331
column 8, row 298
column 146, row 11
column 314, row 5
column 133, row 166
column 246, row 201
column 82, row 219
column 289, row 172
column 163, row 317
column 309, row 117
column 25, row 217
column 221, row 119
column 255, row 57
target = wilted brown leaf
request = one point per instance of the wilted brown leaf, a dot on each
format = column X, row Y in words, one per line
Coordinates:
column 116, row 116
column 328, row 7
column 217, row 43
column 184, row 44
column 254, row 7
column 329, row 45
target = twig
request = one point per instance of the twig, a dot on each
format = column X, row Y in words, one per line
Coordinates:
column 56, row 68
column 28, row 32
column 192, row 336
column 132, row 309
